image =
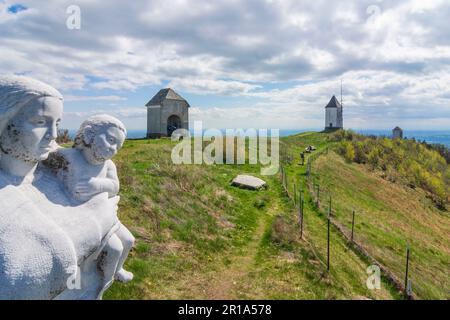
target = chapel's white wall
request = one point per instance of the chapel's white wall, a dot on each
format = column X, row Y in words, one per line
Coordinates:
column 331, row 117
column 340, row 118
column 153, row 119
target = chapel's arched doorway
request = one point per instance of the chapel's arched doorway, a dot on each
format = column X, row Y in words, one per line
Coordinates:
column 173, row 123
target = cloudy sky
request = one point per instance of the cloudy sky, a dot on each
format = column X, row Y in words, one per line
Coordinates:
column 256, row 63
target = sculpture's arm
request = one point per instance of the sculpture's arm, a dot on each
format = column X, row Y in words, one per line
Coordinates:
column 111, row 183
column 94, row 186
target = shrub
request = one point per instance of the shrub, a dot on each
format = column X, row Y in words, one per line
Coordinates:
column 349, row 153
column 283, row 232
column 407, row 161
column 260, row 202
column 63, row 136
column 373, row 158
column 360, row 152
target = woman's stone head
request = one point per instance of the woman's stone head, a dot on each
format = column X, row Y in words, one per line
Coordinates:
column 30, row 112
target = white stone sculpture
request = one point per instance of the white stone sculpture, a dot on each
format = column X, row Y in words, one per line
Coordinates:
column 87, row 170
column 51, row 246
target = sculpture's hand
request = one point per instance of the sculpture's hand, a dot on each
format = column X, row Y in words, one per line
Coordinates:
column 96, row 185
column 88, row 188
column 107, row 205
column 81, row 188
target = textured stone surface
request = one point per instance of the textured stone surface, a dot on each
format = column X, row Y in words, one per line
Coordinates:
column 51, row 245
column 248, row 182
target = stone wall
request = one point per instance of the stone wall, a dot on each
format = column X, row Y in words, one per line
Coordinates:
column 153, row 120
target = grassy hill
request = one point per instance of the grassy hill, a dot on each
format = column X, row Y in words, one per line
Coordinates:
column 404, row 161
column 391, row 211
column 198, row 237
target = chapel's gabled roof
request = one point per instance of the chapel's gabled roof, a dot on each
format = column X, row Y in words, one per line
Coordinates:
column 334, row 103
column 165, row 94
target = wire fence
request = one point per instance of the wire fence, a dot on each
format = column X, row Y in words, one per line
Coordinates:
column 322, row 201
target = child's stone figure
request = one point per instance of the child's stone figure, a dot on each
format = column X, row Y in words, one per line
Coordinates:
column 87, row 170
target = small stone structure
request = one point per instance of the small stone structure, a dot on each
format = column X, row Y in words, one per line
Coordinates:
column 166, row 112
column 334, row 115
column 248, row 182
column 397, row 133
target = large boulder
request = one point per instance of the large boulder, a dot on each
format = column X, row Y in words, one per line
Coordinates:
column 248, row 182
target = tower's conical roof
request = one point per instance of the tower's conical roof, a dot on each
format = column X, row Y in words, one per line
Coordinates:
column 334, row 103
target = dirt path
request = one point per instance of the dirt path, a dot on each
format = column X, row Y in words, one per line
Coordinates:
column 225, row 285
column 223, row 282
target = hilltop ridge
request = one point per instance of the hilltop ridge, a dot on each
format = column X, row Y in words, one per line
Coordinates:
column 199, row 237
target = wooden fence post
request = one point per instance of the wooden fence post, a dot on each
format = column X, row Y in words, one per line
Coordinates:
column 287, row 183
column 300, row 185
column 318, row 195
column 302, row 216
column 328, row 236
column 329, row 206
column 407, row 294
column 353, row 223
column 295, row 195
column 328, row 243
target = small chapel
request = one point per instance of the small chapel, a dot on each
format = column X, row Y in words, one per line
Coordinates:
column 333, row 115
column 397, row 133
column 167, row 111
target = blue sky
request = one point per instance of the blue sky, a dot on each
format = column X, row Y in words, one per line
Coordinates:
column 16, row 8
column 254, row 63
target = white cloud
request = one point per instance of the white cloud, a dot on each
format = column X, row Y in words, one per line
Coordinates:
column 394, row 59
column 71, row 98
column 209, row 86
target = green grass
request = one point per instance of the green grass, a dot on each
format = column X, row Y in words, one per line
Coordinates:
column 390, row 217
column 342, row 259
column 198, row 237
